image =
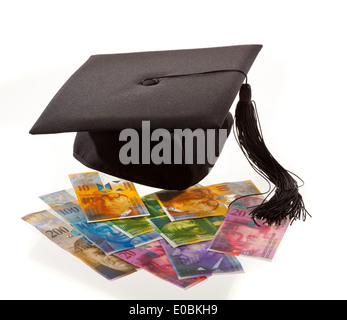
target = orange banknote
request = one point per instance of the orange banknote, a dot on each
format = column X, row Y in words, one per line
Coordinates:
column 212, row 200
column 110, row 201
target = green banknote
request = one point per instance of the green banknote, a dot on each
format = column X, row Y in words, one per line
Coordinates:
column 153, row 205
column 179, row 233
column 132, row 228
column 137, row 226
column 66, row 237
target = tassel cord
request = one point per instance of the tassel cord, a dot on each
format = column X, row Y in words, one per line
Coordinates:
column 286, row 201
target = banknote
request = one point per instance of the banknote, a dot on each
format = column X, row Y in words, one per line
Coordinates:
column 102, row 234
column 153, row 206
column 65, row 205
column 66, row 237
column 179, row 233
column 229, row 191
column 204, row 201
column 132, row 227
column 195, row 260
column 110, row 201
column 152, row 258
column 136, row 226
column 239, row 234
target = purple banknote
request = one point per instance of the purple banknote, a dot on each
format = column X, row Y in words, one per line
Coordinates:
column 195, row 260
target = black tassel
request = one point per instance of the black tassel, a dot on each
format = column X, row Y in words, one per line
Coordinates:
column 286, row 201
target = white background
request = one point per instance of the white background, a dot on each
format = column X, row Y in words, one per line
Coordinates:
column 298, row 82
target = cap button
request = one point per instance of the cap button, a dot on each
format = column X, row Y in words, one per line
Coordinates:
column 150, row 82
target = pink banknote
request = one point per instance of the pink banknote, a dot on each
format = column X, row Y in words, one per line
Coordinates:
column 240, row 235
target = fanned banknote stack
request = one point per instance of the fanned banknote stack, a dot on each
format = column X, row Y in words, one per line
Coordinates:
column 183, row 237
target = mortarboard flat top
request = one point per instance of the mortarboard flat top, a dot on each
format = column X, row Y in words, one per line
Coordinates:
column 191, row 89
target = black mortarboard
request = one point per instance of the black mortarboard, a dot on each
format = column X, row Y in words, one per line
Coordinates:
column 171, row 90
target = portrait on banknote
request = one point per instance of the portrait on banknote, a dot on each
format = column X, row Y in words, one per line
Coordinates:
column 195, row 260
column 109, row 205
column 191, row 203
column 108, row 265
column 240, row 234
column 183, row 232
column 103, row 202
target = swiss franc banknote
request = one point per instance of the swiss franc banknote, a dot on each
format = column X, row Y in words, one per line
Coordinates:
column 110, row 201
column 179, row 233
column 153, row 206
column 152, row 258
column 132, row 227
column 66, row 237
column 102, row 234
column 202, row 202
column 136, row 226
column 194, row 260
column 238, row 233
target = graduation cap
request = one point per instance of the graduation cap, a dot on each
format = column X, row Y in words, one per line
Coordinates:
column 136, row 113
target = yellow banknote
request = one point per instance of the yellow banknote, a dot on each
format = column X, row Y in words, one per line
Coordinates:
column 207, row 201
column 110, row 201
